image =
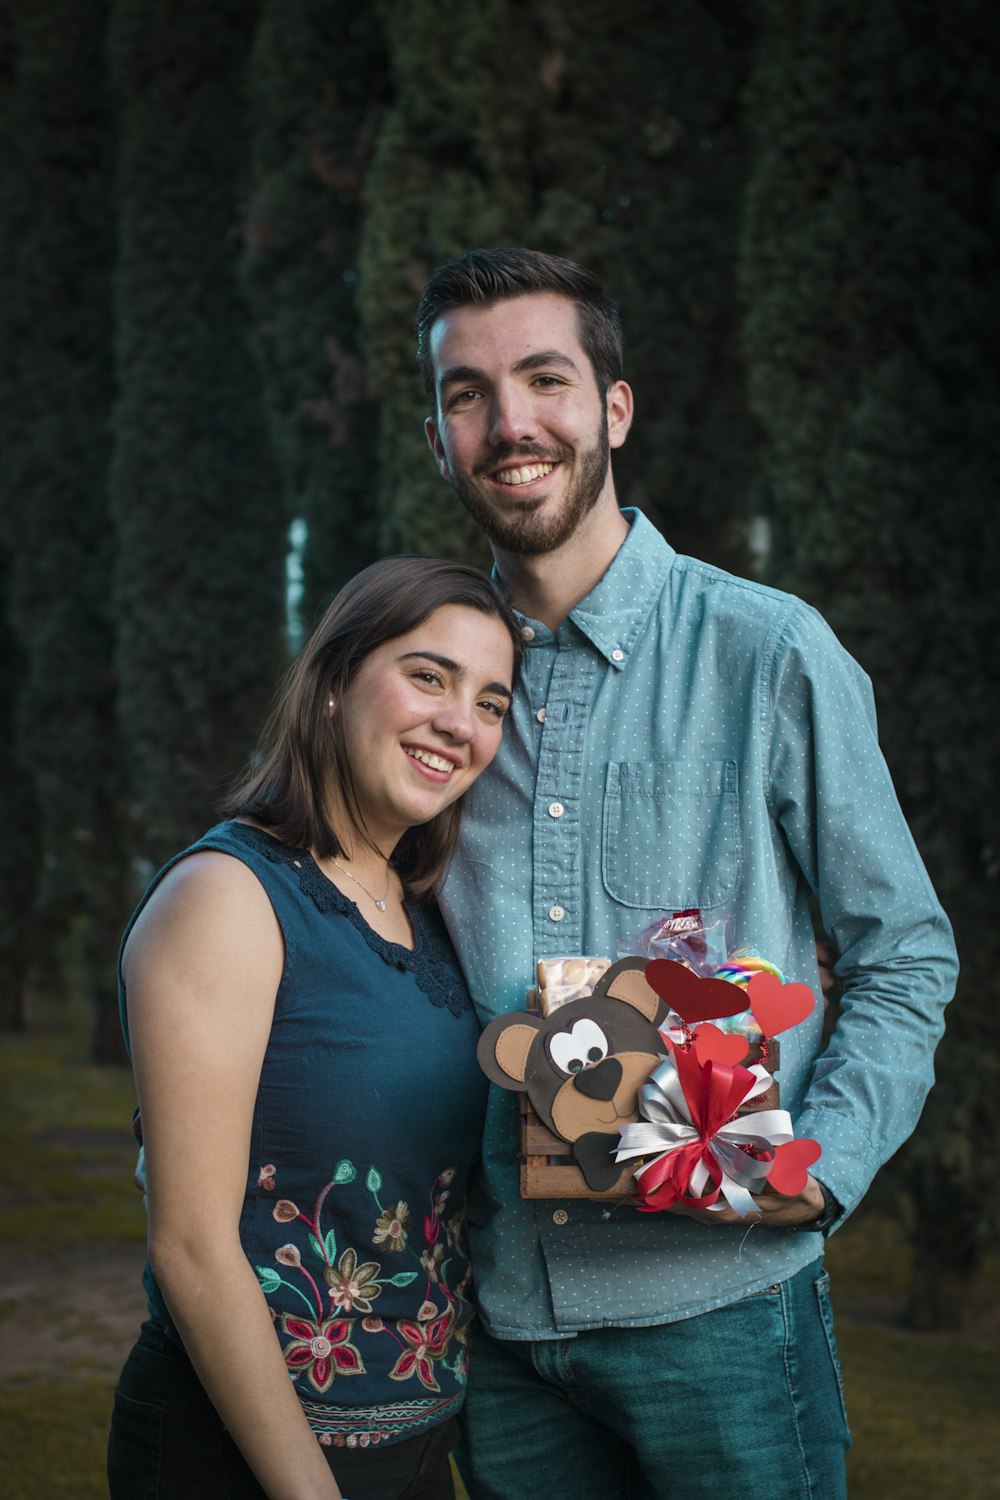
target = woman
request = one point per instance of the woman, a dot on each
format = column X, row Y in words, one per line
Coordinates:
column 304, row 1053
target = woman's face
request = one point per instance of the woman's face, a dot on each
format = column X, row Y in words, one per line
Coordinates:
column 424, row 716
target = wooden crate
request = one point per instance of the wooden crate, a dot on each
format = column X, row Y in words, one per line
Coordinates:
column 547, row 1169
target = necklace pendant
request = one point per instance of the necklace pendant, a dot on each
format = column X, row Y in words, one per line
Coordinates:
column 380, row 905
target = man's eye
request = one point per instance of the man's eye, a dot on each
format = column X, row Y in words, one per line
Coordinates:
column 463, row 398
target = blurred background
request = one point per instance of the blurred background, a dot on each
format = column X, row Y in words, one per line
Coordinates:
column 215, row 222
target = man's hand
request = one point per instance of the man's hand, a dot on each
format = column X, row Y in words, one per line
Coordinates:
column 775, row 1210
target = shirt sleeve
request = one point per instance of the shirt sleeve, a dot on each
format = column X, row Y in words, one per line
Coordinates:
column 833, row 799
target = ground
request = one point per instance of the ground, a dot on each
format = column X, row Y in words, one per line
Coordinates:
column 922, row 1405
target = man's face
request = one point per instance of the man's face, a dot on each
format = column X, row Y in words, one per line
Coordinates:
column 522, row 434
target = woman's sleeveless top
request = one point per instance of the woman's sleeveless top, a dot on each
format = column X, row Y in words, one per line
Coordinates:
column 367, row 1121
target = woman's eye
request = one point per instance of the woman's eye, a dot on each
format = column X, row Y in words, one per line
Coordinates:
column 425, row 674
column 494, row 709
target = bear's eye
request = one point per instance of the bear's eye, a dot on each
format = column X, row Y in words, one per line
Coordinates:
column 583, row 1046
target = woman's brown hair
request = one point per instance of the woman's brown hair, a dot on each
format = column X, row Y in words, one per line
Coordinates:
column 302, row 753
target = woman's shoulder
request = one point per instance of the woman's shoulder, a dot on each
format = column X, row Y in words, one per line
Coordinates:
column 206, row 894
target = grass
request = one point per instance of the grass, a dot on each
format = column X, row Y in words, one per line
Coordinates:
column 921, row 1405
column 70, row 1151
column 52, row 1439
column 922, row 1408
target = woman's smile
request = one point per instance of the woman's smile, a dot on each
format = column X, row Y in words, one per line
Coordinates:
column 437, row 694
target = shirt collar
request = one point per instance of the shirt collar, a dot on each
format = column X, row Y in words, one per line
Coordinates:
column 613, row 615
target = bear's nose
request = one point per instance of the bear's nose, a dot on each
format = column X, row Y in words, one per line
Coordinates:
column 599, row 1082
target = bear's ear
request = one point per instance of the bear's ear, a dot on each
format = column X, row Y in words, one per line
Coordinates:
column 626, row 981
column 504, row 1047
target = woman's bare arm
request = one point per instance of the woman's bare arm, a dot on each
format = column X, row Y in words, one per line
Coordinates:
column 202, row 967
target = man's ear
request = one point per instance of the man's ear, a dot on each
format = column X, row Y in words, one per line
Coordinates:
column 435, row 445
column 619, row 407
column 504, row 1047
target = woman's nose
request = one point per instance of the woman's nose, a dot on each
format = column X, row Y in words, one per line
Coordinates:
column 455, row 720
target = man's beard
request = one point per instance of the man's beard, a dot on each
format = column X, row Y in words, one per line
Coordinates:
column 526, row 534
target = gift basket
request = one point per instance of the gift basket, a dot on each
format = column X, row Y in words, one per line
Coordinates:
column 652, row 1079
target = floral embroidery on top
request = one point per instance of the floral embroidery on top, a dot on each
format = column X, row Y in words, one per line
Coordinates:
column 391, row 1227
column 428, row 1342
column 321, row 1349
column 353, row 1288
column 320, row 1345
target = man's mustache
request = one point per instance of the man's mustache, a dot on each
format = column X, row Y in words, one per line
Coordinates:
column 506, row 454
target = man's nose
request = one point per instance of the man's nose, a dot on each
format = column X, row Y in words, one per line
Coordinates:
column 513, row 417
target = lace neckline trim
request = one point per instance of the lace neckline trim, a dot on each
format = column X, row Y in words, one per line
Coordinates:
column 431, row 960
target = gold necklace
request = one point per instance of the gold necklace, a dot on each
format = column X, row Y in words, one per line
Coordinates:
column 381, row 904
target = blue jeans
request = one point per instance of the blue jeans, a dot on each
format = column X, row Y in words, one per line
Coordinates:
column 742, row 1403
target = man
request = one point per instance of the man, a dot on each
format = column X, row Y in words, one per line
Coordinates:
column 681, row 738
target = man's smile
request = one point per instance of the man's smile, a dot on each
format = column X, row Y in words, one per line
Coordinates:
column 523, row 475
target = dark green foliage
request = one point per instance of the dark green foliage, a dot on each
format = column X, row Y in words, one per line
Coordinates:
column 196, row 500
column 617, row 140
column 641, row 157
column 20, row 849
column 450, row 170
column 57, row 393
column 318, row 83
column 873, row 295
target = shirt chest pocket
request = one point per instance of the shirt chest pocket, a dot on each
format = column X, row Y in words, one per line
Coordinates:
column 671, row 833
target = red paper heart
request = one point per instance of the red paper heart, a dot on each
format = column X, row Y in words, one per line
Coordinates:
column 713, row 1045
column 694, row 999
column 777, row 1006
column 791, row 1164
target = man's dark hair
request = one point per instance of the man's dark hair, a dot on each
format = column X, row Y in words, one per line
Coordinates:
column 483, row 277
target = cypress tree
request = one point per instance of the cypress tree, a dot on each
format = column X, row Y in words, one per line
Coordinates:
column 318, row 83
column 20, row 848
column 618, row 143
column 641, row 156
column 450, row 171
column 201, row 534
column 873, row 297
column 57, row 393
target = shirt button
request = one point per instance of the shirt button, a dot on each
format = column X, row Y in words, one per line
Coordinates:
column 527, row 634
column 560, row 1216
column 556, row 809
column 618, row 656
column 540, row 715
column 556, row 913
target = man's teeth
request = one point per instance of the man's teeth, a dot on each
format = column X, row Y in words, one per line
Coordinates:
column 436, row 762
column 525, row 475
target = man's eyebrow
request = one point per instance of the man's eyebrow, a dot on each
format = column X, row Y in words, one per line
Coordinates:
column 542, row 358
column 547, row 358
column 453, row 666
column 460, row 375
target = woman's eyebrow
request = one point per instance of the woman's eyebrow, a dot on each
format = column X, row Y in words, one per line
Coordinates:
column 453, row 666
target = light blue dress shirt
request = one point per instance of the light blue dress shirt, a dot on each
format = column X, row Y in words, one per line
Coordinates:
column 691, row 739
